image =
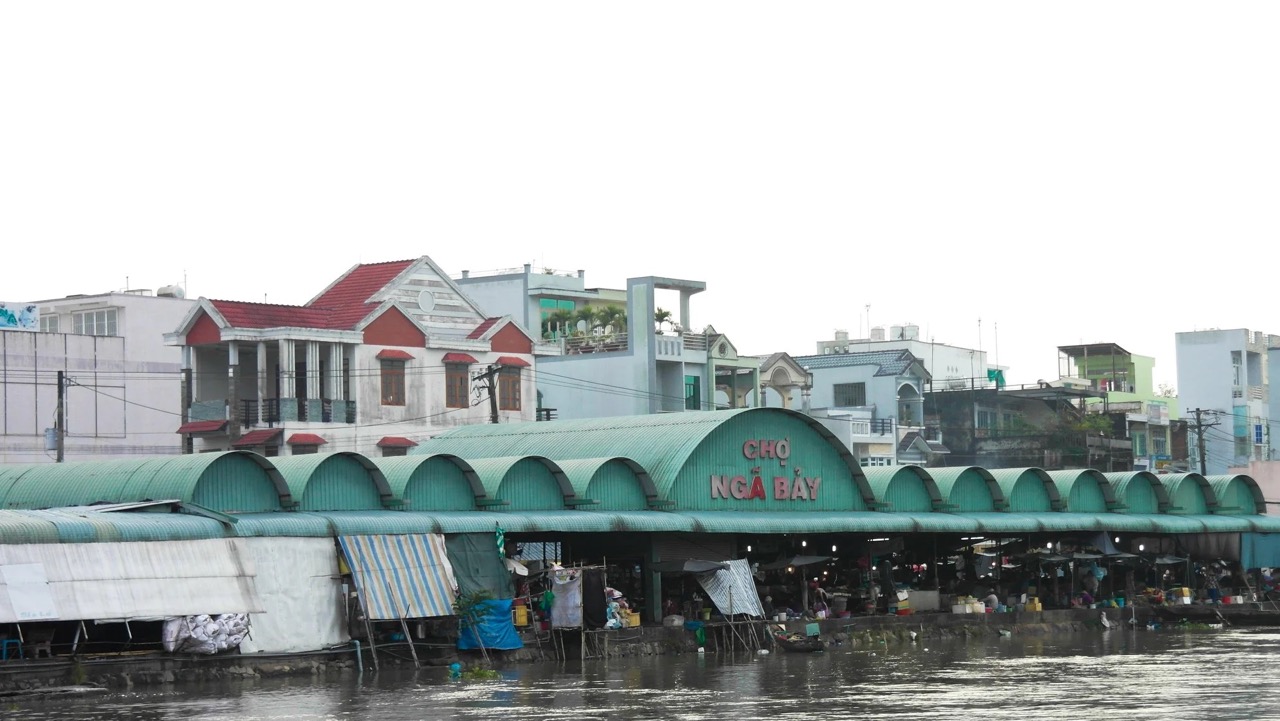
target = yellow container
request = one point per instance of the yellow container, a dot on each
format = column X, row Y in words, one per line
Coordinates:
column 630, row 619
column 520, row 616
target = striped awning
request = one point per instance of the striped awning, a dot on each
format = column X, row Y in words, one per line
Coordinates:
column 401, row 576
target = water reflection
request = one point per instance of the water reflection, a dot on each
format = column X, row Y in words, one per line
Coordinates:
column 1116, row 674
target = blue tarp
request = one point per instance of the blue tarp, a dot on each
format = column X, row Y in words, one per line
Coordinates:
column 1260, row 550
column 493, row 625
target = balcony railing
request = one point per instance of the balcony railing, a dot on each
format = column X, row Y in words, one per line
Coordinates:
column 872, row 427
column 269, row 411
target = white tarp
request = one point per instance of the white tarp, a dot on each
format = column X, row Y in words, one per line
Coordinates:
column 732, row 589
column 566, row 608
column 301, row 592
column 119, row 581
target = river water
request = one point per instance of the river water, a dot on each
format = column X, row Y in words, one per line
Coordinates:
column 1117, row 674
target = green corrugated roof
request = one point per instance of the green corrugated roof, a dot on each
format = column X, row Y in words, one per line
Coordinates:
column 968, row 490
column 341, row 481
column 617, row 483
column 1139, row 492
column 763, row 522
column 1084, row 490
column 944, row 523
column 526, row 482
column 1165, row 523
column 283, row 524
column 230, row 482
column 661, row 443
column 432, row 482
column 22, row 527
column 1224, row 524
column 1027, row 490
column 1189, row 493
column 904, row 489
column 991, row 522
column 1237, row 494
column 369, row 523
column 1266, row 524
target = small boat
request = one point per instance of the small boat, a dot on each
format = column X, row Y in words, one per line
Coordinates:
column 795, row 643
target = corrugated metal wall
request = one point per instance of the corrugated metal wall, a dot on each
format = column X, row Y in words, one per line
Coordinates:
column 529, row 486
column 901, row 487
column 616, row 487
column 340, row 483
column 970, row 493
column 1186, row 495
column 1029, row 495
column 236, row 484
column 438, row 485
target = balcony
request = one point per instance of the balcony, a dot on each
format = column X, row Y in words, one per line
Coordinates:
column 872, row 427
column 305, row 410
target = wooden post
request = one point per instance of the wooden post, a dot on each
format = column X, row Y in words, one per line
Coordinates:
column 404, row 625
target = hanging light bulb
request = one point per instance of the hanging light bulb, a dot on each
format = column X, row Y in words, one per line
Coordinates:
column 1117, row 539
column 748, row 549
column 833, row 548
column 1049, row 546
column 803, row 544
column 1142, row 547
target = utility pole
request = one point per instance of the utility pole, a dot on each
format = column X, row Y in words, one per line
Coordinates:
column 487, row 380
column 1200, row 427
column 60, row 419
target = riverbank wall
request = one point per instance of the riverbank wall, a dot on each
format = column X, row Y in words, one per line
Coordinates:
column 151, row 669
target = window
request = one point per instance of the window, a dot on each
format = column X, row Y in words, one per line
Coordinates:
column 509, row 389
column 303, row 449
column 1257, row 434
column 986, row 419
column 48, row 324
column 1139, row 445
column 849, row 394
column 692, row 393
column 391, row 452
column 392, row 382
column 95, row 322
column 876, row 461
column 271, row 451
column 550, row 306
column 456, row 384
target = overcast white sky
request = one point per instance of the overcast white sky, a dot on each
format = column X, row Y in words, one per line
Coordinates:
column 1070, row 172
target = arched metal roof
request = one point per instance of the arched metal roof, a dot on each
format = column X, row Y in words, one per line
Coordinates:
column 230, row 482
column 1084, row 490
column 1189, row 493
column 1027, row 490
column 660, row 443
column 341, row 481
column 420, row 481
column 584, row 473
column 1237, row 494
column 1139, row 492
column 496, row 474
column 904, row 488
column 968, row 489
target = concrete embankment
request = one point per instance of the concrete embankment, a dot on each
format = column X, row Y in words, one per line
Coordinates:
column 125, row 672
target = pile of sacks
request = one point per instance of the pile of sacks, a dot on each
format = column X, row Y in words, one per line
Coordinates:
column 205, row 634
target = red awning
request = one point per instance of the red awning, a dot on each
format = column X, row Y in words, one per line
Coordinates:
column 260, row 437
column 510, row 360
column 393, row 354
column 203, row 427
column 395, row 442
column 458, row 358
column 306, row 439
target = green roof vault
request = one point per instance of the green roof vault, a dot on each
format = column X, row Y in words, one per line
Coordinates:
column 904, row 489
column 1189, row 493
column 968, row 490
column 684, row 454
column 335, row 481
column 1237, row 495
column 1139, row 492
column 230, row 482
column 1084, row 490
column 1028, row 490
column 433, row 482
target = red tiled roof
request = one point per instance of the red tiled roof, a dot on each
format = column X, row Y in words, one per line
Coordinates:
column 202, row 427
column 482, row 329
column 306, row 439
column 359, row 284
column 510, row 360
column 393, row 354
column 260, row 437
column 458, row 358
column 395, row 442
column 340, row 307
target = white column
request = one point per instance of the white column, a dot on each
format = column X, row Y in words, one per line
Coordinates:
column 262, row 381
column 313, row 369
column 287, row 362
column 335, row 372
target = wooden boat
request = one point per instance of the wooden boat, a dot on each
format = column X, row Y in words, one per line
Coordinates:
column 795, row 643
column 1241, row 615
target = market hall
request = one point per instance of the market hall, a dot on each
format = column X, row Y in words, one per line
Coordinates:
column 290, row 542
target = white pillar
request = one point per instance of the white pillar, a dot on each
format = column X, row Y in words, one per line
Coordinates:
column 287, row 364
column 262, row 382
column 313, row 369
column 335, row 372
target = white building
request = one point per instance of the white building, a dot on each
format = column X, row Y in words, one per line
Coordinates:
column 624, row 360
column 387, row 355
column 122, row 390
column 951, row 367
column 1224, row 374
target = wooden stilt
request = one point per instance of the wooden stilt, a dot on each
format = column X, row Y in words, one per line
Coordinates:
column 404, row 625
column 373, row 643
